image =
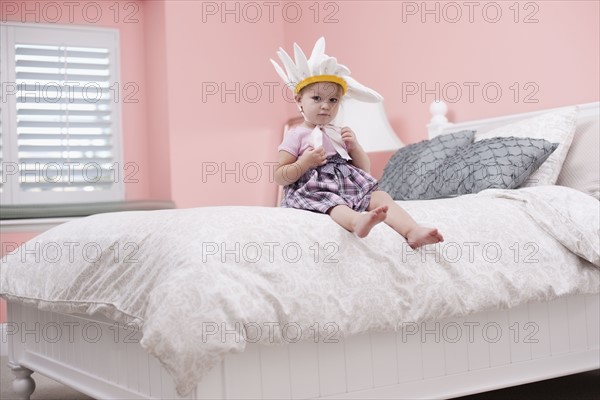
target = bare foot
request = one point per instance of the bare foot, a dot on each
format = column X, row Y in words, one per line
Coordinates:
column 421, row 235
column 366, row 222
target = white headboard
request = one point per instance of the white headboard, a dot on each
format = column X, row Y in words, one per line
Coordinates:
column 439, row 124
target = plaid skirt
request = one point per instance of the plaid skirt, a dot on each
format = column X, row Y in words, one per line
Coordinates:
column 329, row 185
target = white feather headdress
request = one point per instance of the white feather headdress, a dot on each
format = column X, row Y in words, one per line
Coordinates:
column 320, row 68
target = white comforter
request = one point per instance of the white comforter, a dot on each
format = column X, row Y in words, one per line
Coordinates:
column 189, row 274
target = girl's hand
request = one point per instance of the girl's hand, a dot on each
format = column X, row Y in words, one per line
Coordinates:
column 349, row 139
column 312, row 158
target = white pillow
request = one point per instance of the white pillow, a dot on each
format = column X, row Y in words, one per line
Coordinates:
column 581, row 169
column 556, row 127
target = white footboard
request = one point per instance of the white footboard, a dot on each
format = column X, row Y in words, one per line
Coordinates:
column 93, row 355
column 438, row 359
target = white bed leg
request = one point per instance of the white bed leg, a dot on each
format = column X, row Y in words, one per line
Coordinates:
column 23, row 384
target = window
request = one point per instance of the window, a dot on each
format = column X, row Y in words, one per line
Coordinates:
column 60, row 139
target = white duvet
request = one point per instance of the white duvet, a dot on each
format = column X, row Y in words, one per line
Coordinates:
column 190, row 276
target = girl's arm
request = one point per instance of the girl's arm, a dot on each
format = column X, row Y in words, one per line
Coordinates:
column 360, row 159
column 291, row 168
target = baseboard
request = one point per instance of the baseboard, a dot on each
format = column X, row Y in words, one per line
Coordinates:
column 3, row 340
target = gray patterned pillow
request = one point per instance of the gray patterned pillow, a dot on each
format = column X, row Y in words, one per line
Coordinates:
column 409, row 165
column 500, row 162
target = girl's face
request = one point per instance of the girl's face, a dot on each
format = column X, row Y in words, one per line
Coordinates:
column 320, row 102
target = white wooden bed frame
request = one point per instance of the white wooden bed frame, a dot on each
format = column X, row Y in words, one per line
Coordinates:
column 438, row 359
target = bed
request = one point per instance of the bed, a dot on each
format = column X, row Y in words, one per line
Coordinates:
column 257, row 308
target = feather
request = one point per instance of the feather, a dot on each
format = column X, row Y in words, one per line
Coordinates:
column 360, row 92
column 328, row 66
column 290, row 67
column 280, row 72
column 301, row 63
column 319, row 48
column 342, row 70
column 317, row 56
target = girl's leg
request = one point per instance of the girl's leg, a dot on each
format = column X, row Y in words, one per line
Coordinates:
column 358, row 223
column 403, row 223
column 397, row 218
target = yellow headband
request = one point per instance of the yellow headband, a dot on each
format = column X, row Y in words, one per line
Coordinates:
column 321, row 78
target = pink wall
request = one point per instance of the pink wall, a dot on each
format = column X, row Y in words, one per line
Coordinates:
column 221, row 138
column 388, row 47
column 157, row 137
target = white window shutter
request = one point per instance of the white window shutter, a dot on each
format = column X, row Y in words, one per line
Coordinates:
column 65, row 138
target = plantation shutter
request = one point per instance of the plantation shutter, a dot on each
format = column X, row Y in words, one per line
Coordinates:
column 66, row 115
column 3, row 110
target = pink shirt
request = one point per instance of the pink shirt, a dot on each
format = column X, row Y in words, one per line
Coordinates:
column 297, row 140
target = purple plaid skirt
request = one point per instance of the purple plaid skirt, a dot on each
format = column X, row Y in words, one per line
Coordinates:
column 329, row 185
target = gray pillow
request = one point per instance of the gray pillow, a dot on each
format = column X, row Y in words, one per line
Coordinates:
column 499, row 162
column 409, row 165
